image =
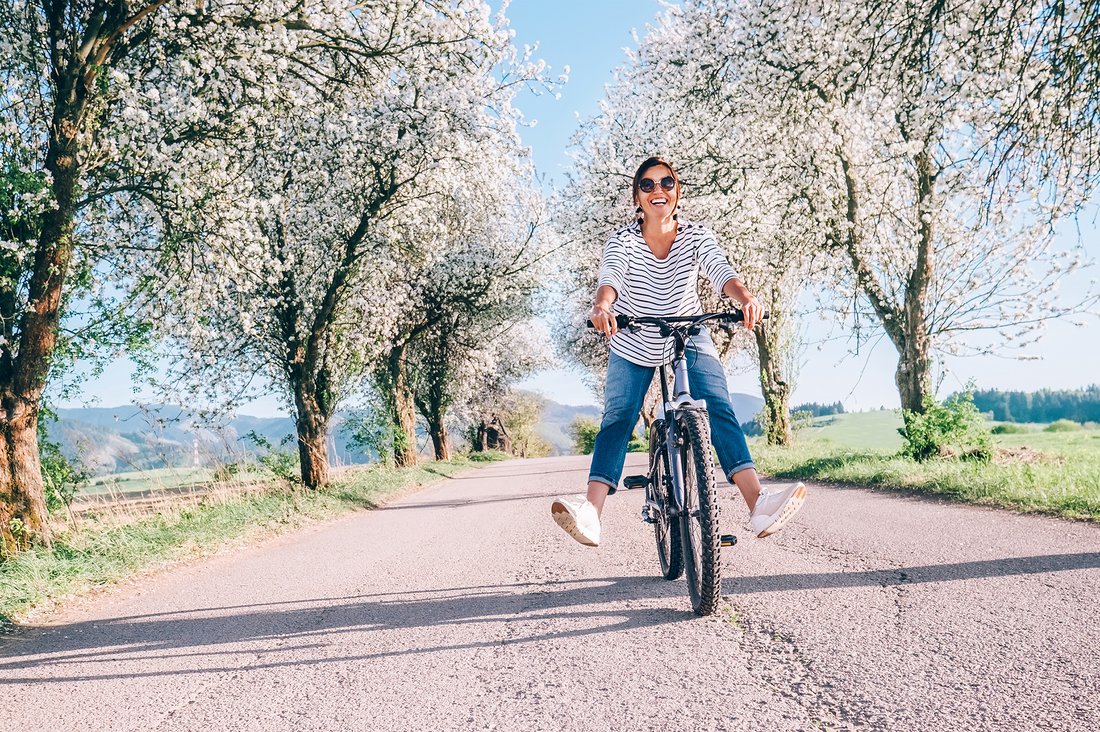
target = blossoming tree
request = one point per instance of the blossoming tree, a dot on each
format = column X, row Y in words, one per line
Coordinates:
column 338, row 192
column 103, row 105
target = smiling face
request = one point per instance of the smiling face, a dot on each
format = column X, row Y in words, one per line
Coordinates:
column 663, row 195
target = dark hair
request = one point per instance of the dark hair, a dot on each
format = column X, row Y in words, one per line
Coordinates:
column 648, row 163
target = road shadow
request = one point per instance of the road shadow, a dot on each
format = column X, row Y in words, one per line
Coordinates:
column 1045, row 564
column 317, row 624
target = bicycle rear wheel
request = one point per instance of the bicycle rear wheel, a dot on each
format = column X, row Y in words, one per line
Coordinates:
column 699, row 522
column 665, row 531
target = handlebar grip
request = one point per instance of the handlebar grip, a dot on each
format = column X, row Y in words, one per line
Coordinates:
column 621, row 321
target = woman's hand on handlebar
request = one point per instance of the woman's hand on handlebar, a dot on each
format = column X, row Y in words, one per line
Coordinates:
column 753, row 310
column 603, row 320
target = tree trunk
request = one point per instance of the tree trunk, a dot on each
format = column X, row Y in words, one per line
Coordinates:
column 914, row 372
column 313, row 451
column 776, row 391
column 23, row 377
column 440, row 439
column 23, row 517
column 905, row 324
column 404, row 410
column 312, row 426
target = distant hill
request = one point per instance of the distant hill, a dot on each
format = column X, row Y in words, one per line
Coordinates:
column 556, row 418
column 118, row 439
column 127, row 438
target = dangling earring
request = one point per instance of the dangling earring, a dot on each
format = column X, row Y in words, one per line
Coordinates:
column 638, row 211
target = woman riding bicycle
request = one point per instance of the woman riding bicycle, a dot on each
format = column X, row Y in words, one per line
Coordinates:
column 651, row 268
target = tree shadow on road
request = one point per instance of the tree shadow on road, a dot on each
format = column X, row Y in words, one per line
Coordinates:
column 275, row 635
column 317, row 623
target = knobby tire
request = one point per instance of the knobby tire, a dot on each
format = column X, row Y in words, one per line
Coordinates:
column 699, row 523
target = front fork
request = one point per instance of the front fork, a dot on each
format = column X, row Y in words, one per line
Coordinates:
column 673, row 443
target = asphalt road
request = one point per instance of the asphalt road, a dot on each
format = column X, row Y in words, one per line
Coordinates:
column 464, row 607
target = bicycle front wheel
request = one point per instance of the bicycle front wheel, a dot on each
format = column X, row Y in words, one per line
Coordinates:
column 665, row 530
column 699, row 522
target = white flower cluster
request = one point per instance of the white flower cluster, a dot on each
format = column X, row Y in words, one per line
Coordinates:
column 910, row 157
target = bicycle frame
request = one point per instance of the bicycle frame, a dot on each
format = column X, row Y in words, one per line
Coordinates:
column 679, row 401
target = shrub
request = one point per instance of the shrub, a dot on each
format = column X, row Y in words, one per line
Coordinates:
column 1063, row 425
column 282, row 463
column 801, row 419
column 955, row 427
column 1010, row 429
column 61, row 477
column 583, row 430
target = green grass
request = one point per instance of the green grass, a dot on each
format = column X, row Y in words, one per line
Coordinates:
column 871, row 431
column 105, row 550
column 1054, row 473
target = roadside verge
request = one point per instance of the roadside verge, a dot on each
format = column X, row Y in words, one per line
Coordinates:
column 103, row 549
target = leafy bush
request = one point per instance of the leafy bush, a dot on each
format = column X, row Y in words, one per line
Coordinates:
column 488, row 456
column 638, row 444
column 281, row 463
column 1063, row 425
column 1010, row 429
column 955, row 427
column 801, row 419
column 583, row 430
column 60, row 476
column 227, row 472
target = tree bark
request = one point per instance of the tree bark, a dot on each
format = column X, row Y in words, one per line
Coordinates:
column 311, row 422
column 23, row 517
column 440, row 439
column 914, row 372
column 906, row 324
column 403, row 409
column 23, row 376
column 776, row 391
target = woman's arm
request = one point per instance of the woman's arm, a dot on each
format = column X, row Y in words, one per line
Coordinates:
column 735, row 290
column 601, row 315
column 613, row 269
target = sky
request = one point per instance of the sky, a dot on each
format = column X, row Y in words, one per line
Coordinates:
column 590, row 37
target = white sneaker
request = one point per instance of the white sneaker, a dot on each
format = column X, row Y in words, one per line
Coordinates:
column 775, row 508
column 579, row 519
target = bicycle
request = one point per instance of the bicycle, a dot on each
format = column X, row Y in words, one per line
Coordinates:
column 681, row 499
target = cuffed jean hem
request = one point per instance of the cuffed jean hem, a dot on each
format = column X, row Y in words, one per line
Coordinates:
column 602, row 479
column 739, row 468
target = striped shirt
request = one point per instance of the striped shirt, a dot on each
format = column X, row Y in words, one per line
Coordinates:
column 651, row 287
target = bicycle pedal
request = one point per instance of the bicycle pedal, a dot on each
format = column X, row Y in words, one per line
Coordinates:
column 635, row 481
column 727, row 539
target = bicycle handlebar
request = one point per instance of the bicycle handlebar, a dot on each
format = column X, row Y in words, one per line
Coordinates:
column 626, row 321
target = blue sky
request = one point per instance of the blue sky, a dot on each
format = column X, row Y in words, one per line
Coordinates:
column 589, row 37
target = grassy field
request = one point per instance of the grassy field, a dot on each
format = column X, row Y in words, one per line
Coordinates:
column 109, row 547
column 1056, row 473
column 146, row 480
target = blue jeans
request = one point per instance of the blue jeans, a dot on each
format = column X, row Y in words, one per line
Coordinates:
column 625, row 390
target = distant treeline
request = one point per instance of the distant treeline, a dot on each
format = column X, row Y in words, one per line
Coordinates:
column 819, row 410
column 1046, row 405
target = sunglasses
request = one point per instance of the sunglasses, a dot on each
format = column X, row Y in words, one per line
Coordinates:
column 646, row 185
